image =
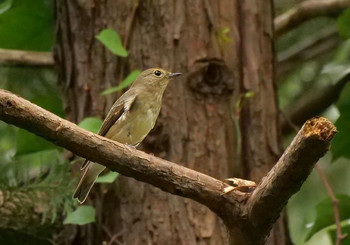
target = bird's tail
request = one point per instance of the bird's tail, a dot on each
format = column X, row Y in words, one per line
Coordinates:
column 87, row 181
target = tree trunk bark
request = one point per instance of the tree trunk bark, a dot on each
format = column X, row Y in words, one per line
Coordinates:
column 224, row 49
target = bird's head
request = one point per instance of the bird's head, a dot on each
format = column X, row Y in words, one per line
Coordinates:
column 154, row 77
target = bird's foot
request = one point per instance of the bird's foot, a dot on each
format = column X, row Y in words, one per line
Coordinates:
column 131, row 146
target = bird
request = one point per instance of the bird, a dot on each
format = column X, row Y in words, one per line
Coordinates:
column 129, row 120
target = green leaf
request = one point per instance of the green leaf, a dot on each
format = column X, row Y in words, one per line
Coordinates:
column 107, row 178
column 27, row 142
column 249, row 94
column 27, row 25
column 111, row 39
column 325, row 214
column 341, row 141
column 343, row 24
column 50, row 102
column 81, row 216
column 37, row 160
column 222, row 35
column 127, row 81
column 91, row 124
column 6, row 5
column 345, row 229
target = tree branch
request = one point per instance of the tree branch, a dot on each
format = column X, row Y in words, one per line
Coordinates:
column 339, row 235
column 243, row 213
column 27, row 58
column 311, row 104
column 291, row 170
column 168, row 176
column 305, row 11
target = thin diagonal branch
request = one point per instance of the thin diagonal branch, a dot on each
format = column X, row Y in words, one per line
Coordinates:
column 296, row 163
column 307, row 10
column 340, row 236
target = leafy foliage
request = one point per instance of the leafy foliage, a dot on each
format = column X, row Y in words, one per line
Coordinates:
column 15, row 237
column 28, row 142
column 341, row 142
column 33, row 200
column 27, row 25
column 35, row 183
column 107, row 178
column 91, row 124
column 325, row 214
column 112, row 41
column 343, row 24
column 6, row 5
column 345, row 230
column 81, row 216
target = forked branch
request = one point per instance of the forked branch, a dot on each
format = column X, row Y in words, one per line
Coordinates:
column 243, row 213
column 291, row 170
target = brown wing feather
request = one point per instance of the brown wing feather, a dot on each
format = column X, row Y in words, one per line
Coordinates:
column 123, row 104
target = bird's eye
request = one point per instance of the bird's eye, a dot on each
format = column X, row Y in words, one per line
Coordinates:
column 157, row 73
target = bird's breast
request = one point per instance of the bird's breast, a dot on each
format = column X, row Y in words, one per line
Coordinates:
column 133, row 126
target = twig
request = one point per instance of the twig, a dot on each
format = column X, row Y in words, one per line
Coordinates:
column 113, row 238
column 335, row 202
column 305, row 11
column 27, row 58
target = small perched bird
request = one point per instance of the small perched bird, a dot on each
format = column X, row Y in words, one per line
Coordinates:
column 129, row 121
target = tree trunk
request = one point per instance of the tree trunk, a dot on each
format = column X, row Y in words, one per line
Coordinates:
column 224, row 49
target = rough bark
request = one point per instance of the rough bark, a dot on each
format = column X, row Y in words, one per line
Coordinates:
column 260, row 145
column 196, row 125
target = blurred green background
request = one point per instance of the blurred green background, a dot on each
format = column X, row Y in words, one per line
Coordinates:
column 311, row 59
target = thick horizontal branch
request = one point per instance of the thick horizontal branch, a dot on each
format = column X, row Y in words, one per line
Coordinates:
column 27, row 58
column 168, row 176
column 292, row 169
column 311, row 104
column 307, row 10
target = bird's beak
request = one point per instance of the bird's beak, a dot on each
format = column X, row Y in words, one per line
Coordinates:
column 176, row 74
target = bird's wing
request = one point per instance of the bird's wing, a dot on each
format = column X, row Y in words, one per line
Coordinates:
column 120, row 107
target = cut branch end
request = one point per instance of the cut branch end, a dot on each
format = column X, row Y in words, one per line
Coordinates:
column 319, row 127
